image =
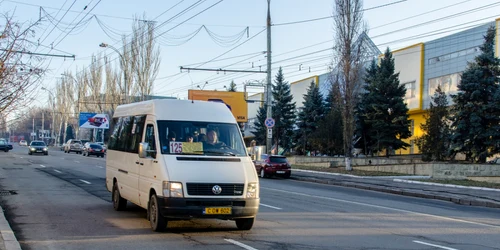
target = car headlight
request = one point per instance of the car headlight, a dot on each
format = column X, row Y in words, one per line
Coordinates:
column 172, row 189
column 32, row 149
column 45, row 149
column 253, row 190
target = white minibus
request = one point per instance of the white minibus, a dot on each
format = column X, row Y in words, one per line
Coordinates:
column 181, row 159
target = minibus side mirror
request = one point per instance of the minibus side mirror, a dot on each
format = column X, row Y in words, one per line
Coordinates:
column 143, row 146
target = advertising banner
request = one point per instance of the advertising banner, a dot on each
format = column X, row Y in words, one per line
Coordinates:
column 235, row 101
column 94, row 120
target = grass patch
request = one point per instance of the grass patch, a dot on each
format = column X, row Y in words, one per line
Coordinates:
column 341, row 170
column 469, row 183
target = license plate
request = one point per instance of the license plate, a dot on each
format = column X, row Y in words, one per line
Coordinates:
column 39, row 151
column 218, row 210
column 280, row 172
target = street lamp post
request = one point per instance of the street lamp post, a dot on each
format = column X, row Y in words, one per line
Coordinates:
column 122, row 63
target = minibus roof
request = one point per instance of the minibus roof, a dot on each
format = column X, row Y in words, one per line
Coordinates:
column 178, row 110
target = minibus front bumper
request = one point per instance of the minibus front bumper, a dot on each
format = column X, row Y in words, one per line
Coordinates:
column 186, row 208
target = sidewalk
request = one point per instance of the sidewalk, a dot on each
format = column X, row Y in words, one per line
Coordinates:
column 8, row 240
column 472, row 196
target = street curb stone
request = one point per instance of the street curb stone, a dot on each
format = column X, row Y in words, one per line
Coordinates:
column 8, row 239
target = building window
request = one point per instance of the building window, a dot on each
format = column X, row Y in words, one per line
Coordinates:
column 410, row 89
column 453, row 55
column 448, row 83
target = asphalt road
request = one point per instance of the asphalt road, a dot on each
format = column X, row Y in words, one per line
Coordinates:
column 59, row 201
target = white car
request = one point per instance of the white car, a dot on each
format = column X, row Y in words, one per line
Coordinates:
column 23, row 143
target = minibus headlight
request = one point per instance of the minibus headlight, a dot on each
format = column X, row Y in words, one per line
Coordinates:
column 253, row 190
column 172, row 189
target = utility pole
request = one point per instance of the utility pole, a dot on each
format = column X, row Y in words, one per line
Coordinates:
column 269, row 85
column 43, row 121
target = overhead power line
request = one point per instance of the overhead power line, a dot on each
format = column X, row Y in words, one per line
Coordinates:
column 328, row 17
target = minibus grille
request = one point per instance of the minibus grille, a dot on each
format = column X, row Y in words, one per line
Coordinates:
column 206, row 189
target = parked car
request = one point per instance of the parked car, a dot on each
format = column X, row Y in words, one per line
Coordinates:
column 4, row 145
column 23, row 143
column 61, row 147
column 496, row 160
column 93, row 149
column 273, row 165
column 38, row 147
column 73, row 145
column 103, row 146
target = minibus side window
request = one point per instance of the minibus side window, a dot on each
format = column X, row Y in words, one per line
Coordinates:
column 150, row 139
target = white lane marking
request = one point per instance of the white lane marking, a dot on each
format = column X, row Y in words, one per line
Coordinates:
column 55, row 170
column 388, row 208
column 240, row 244
column 86, row 182
column 432, row 245
column 98, row 166
column 42, row 166
column 77, row 161
column 270, row 206
column 21, row 157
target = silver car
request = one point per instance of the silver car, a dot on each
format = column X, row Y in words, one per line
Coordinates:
column 73, row 145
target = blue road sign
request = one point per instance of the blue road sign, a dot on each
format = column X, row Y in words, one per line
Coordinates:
column 269, row 122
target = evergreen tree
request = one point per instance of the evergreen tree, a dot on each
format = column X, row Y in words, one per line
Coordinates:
column 363, row 127
column 476, row 114
column 386, row 112
column 260, row 129
column 69, row 133
column 283, row 112
column 309, row 117
column 232, row 87
column 329, row 134
column 435, row 142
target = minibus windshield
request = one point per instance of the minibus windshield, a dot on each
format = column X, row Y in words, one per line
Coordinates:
column 200, row 138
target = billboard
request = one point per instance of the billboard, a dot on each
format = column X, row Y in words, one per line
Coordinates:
column 235, row 101
column 94, row 120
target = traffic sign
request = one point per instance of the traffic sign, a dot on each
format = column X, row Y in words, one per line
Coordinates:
column 269, row 133
column 269, row 122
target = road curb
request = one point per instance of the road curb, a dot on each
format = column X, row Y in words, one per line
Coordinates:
column 9, row 240
column 406, row 192
column 446, row 185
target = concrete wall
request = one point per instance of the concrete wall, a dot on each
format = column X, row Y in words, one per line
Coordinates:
column 411, row 166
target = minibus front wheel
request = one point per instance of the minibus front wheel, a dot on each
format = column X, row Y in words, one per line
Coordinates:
column 245, row 223
column 157, row 221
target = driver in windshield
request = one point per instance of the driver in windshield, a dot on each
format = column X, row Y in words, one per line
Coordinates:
column 212, row 140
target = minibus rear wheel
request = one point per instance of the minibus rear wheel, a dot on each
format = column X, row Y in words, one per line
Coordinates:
column 119, row 204
column 245, row 223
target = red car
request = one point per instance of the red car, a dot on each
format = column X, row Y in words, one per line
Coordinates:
column 273, row 165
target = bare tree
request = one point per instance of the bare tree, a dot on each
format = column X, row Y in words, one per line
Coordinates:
column 348, row 64
column 145, row 57
column 20, row 71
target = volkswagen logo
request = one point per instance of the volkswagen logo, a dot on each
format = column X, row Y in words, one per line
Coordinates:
column 216, row 189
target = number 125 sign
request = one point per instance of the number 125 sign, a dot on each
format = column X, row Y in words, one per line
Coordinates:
column 175, row 147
